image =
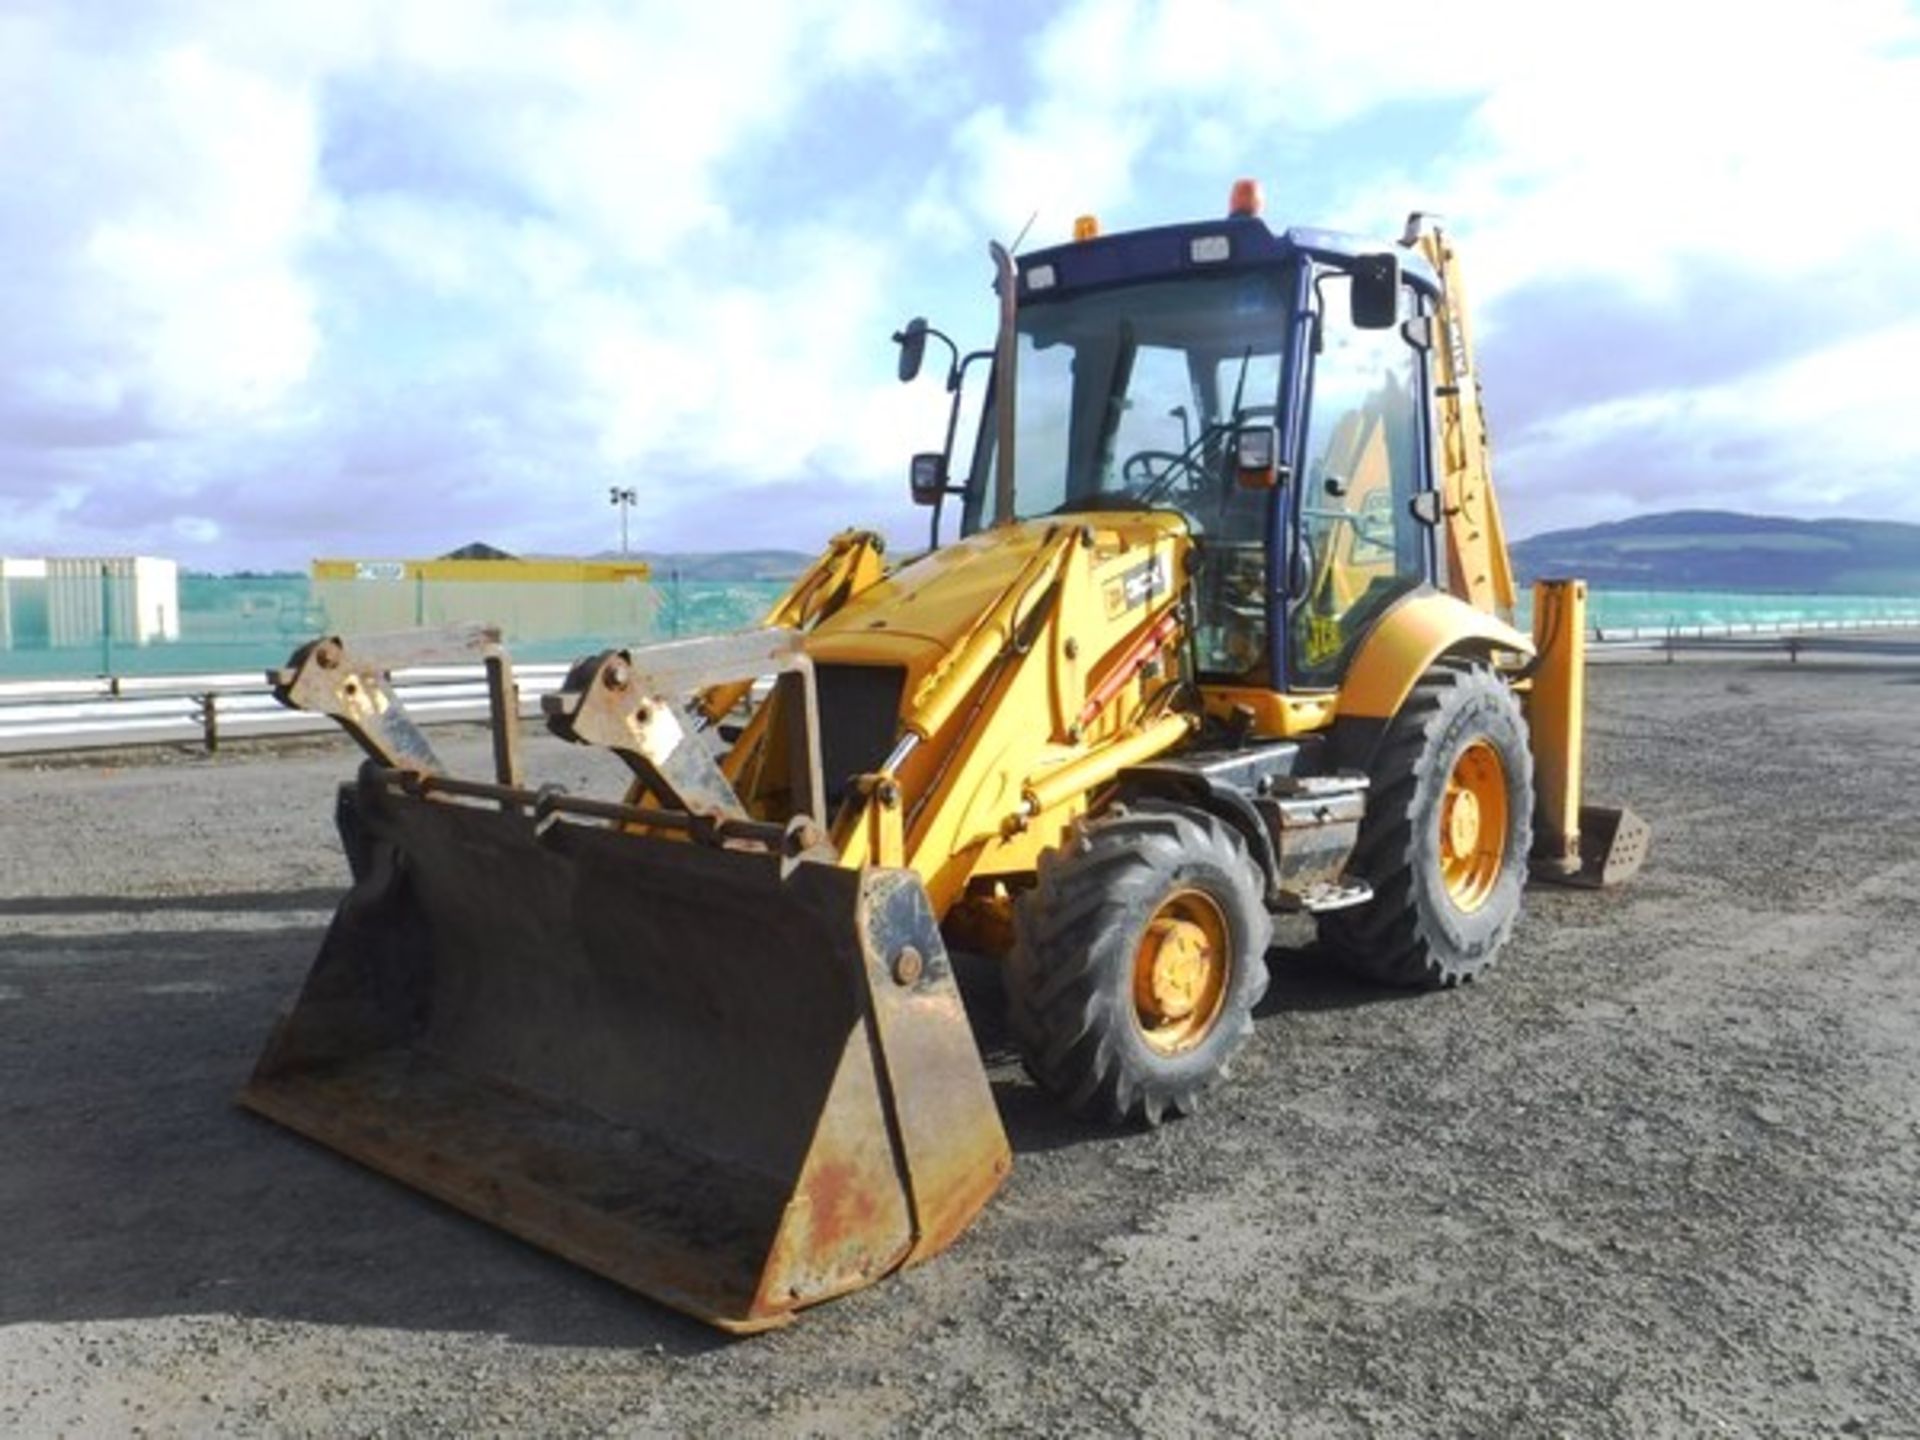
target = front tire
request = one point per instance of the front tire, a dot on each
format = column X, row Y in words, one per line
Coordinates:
column 1444, row 842
column 1140, row 954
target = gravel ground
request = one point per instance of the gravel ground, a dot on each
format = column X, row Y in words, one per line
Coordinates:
column 1656, row 1175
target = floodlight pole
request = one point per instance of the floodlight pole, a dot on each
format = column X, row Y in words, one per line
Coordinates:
column 624, row 497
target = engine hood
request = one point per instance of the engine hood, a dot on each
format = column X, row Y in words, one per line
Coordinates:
column 926, row 607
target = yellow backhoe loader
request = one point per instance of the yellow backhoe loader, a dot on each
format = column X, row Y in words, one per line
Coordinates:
column 1227, row 631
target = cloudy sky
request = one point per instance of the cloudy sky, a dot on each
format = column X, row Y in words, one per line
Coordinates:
column 293, row 279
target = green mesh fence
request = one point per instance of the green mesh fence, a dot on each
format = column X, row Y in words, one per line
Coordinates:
column 243, row 623
column 1682, row 609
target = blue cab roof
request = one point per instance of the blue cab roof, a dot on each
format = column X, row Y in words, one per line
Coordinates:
column 1165, row 251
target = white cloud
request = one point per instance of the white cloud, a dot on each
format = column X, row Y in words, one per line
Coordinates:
column 166, row 201
column 267, row 270
column 1632, row 139
column 1611, row 138
column 1828, row 431
column 1633, row 148
column 534, row 203
column 196, row 529
column 1132, row 86
column 780, row 382
column 1063, row 161
column 614, row 120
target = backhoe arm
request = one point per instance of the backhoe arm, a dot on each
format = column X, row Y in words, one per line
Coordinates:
column 1573, row 842
column 1478, row 569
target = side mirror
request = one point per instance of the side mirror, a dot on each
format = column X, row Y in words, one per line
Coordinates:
column 1375, row 293
column 913, row 348
column 1256, row 457
column 928, row 477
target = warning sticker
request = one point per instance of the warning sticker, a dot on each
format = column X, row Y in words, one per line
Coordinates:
column 1323, row 638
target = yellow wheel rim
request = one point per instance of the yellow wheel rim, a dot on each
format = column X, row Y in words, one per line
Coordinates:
column 1180, row 972
column 1473, row 826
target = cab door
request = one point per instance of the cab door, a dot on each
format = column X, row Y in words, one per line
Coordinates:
column 1364, row 454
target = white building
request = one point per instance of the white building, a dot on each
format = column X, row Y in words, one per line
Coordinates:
column 62, row 601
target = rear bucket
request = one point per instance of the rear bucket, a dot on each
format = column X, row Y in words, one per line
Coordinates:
column 1613, row 846
column 735, row 1085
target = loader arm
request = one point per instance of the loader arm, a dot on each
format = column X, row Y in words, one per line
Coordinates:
column 850, row 563
column 1038, row 701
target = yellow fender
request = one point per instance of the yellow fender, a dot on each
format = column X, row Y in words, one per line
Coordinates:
column 1407, row 640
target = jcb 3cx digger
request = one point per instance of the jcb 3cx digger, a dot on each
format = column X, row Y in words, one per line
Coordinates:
column 1227, row 631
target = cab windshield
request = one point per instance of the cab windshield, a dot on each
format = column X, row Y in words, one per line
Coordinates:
column 1128, row 398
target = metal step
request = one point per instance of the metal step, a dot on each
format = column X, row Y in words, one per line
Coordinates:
column 1338, row 894
column 1318, row 787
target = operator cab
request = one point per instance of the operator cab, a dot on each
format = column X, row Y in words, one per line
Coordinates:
column 1271, row 388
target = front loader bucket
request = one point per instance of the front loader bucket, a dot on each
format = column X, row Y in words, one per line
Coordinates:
column 735, row 1083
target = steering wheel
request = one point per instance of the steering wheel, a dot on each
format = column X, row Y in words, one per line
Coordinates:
column 1139, row 471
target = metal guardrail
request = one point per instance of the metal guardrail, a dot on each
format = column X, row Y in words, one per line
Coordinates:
column 41, row 716
column 1763, row 630
column 1794, row 646
column 47, row 716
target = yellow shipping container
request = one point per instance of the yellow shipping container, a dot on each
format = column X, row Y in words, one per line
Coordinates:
column 607, row 601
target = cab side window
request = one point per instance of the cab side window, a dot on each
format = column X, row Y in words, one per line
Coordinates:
column 1360, row 548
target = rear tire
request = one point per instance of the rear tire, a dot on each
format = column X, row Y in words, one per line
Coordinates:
column 1444, row 842
column 1139, row 957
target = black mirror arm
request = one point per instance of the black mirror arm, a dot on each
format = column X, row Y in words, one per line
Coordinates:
column 953, row 357
column 956, row 377
column 954, row 381
column 959, row 375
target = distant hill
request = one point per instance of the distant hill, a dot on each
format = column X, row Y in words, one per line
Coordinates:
column 1722, row 550
column 721, row 564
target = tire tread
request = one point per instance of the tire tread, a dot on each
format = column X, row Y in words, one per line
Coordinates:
column 1061, row 1007
column 1394, row 939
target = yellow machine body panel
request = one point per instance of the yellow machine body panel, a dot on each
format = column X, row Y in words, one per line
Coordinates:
column 1575, row 843
column 1271, row 713
column 1009, row 641
column 1408, row 639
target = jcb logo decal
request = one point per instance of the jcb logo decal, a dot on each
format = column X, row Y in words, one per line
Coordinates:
column 1137, row 586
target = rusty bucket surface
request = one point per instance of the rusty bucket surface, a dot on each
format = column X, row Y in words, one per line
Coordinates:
column 736, row 1084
